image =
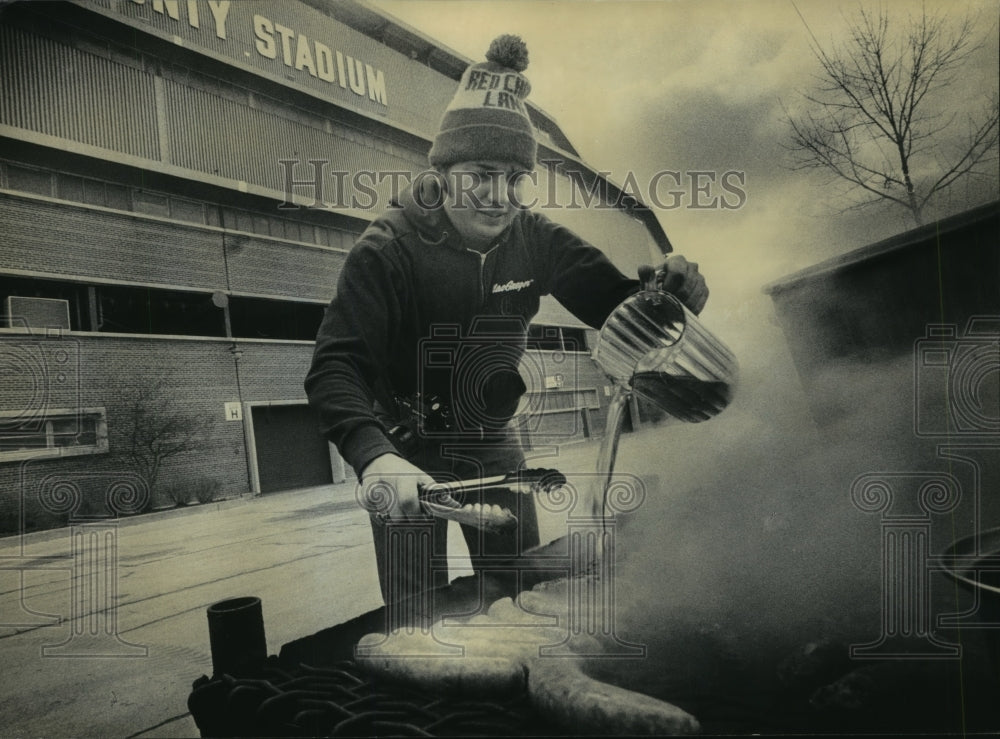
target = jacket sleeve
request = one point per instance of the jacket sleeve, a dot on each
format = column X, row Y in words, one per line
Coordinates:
column 576, row 273
column 351, row 351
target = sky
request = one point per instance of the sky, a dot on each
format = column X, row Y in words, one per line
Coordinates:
column 685, row 85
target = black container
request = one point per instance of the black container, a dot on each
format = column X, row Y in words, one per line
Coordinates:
column 974, row 563
column 236, row 634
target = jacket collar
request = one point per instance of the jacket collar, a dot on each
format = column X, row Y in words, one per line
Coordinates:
column 425, row 213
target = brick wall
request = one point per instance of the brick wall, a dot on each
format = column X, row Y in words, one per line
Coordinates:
column 275, row 370
column 198, row 377
column 77, row 241
column 261, row 266
column 66, row 239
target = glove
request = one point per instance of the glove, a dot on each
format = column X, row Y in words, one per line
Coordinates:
column 679, row 277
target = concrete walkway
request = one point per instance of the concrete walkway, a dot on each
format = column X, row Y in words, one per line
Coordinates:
column 307, row 554
column 103, row 626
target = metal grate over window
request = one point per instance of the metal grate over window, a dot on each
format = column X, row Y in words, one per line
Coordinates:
column 42, row 433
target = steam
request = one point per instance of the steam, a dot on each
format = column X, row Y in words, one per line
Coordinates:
column 748, row 530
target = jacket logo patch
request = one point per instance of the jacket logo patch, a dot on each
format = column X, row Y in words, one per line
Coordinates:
column 511, row 286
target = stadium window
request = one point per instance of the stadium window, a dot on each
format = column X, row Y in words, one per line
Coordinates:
column 308, row 233
column 118, row 197
column 190, row 211
column 63, row 432
column 26, row 179
column 244, row 222
column 139, row 310
column 338, row 239
column 26, row 287
column 122, row 310
column 150, row 203
column 260, row 318
column 228, row 218
column 574, row 339
column 69, row 188
column 94, row 193
column 275, row 227
column 292, row 232
column 556, row 338
column 544, row 338
column 261, row 226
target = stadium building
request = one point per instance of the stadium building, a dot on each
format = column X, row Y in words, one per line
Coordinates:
column 180, row 181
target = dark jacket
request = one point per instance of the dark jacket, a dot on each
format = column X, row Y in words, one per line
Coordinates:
column 416, row 311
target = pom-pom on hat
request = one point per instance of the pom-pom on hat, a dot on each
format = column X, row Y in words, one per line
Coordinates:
column 487, row 119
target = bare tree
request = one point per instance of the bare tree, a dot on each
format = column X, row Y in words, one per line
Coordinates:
column 158, row 430
column 873, row 120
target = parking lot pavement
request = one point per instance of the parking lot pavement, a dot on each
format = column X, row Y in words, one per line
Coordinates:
column 103, row 625
column 119, row 656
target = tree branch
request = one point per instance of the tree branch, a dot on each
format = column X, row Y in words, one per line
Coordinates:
column 876, row 89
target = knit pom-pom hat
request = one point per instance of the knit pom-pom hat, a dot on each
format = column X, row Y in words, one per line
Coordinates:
column 487, row 119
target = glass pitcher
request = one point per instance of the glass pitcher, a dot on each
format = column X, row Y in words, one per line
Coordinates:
column 654, row 346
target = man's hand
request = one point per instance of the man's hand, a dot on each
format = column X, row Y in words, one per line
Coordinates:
column 388, row 486
column 680, row 277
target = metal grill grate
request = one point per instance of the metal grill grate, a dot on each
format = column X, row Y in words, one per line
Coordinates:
column 341, row 700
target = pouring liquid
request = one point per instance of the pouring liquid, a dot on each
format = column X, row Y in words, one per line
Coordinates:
column 685, row 398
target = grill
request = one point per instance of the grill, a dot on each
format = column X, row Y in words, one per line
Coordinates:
column 340, row 700
column 650, row 346
column 314, row 688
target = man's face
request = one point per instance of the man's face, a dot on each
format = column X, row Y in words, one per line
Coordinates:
column 481, row 200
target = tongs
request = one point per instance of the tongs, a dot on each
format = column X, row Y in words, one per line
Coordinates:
column 438, row 499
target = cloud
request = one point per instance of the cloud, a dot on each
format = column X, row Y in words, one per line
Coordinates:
column 644, row 86
column 703, row 129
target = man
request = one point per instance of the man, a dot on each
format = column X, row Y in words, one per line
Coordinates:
column 417, row 330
